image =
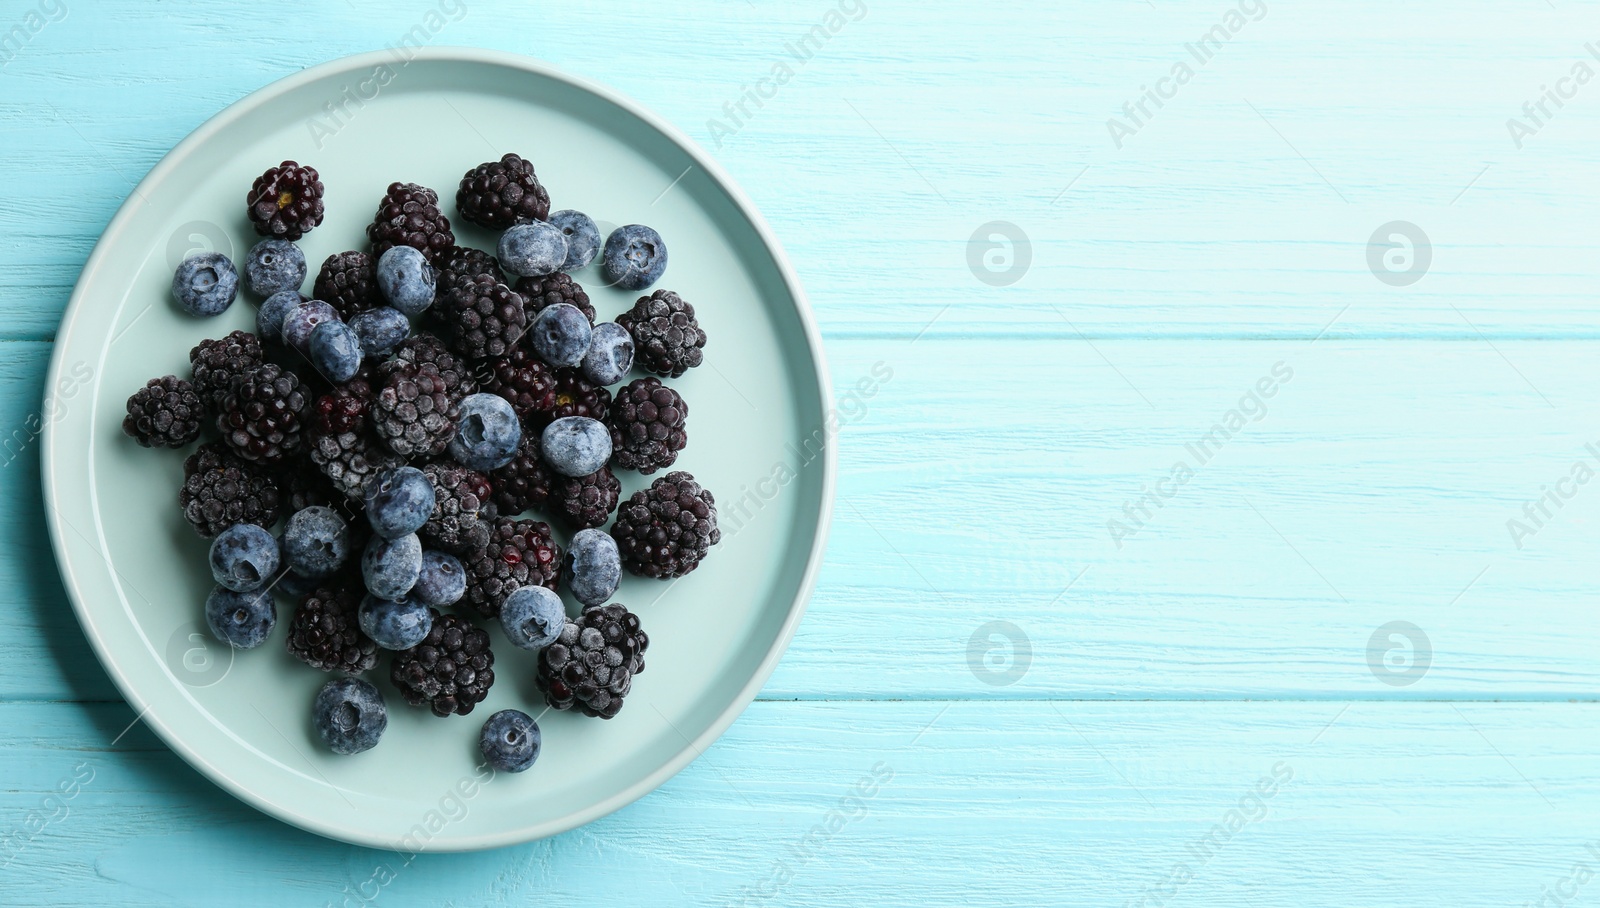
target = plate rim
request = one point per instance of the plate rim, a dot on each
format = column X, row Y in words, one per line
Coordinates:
column 692, row 749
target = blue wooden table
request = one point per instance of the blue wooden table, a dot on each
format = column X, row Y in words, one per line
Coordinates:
column 1224, row 532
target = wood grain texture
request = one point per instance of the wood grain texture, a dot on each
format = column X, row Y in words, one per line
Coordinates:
column 1343, row 508
column 955, row 803
column 903, row 134
column 1230, row 633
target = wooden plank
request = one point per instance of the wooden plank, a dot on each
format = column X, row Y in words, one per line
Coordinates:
column 962, row 803
column 976, row 486
column 46, row 650
column 1377, row 487
column 1243, row 208
column 978, row 483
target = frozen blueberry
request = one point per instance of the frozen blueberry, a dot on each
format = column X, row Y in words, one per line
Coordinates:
column 299, row 322
column 534, row 249
column 594, row 567
column 399, row 501
column 533, row 617
column 295, row 586
column 241, row 620
column 390, row 566
column 560, row 335
column 380, row 330
column 335, row 350
column 349, row 715
column 275, row 266
column 635, row 257
column 269, row 318
column 610, row 355
column 510, row 740
column 407, row 280
column 576, row 445
column 487, row 433
column 395, row 623
column 205, row 284
column 243, row 557
column 583, row 237
column 442, row 580
column 316, row 541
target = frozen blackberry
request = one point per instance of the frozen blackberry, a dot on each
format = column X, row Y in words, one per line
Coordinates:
column 286, row 201
column 165, row 413
column 457, row 264
column 217, row 364
column 524, row 483
column 525, row 382
column 220, row 490
column 575, row 396
column 426, row 349
column 342, row 447
column 362, row 386
column 665, row 530
column 348, row 282
column 451, row 670
column 303, row 485
column 482, row 316
column 520, row 552
column 591, row 665
column 344, row 409
column 501, row 193
column 409, row 215
column 421, row 349
column 648, row 426
column 586, row 501
column 350, row 459
column 465, row 262
column 666, row 337
column 325, row 632
column 414, row 410
column 539, row 293
column 261, row 419
column 464, row 509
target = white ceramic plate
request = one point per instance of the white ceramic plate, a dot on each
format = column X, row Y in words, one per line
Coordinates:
column 137, row 574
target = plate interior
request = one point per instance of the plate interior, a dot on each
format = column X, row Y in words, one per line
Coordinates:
column 756, row 410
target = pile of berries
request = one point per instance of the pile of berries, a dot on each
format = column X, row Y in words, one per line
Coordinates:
column 374, row 452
